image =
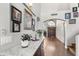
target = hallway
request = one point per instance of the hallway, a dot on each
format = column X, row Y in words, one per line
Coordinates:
column 24, row 26
column 53, row 47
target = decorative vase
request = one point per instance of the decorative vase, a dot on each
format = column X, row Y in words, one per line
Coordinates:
column 25, row 43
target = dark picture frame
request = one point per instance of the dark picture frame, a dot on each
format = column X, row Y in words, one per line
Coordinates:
column 78, row 4
column 67, row 15
column 75, row 14
column 74, row 9
column 38, row 19
column 16, row 14
column 72, row 21
column 33, row 24
column 15, row 27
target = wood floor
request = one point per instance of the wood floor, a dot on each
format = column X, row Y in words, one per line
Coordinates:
column 53, row 47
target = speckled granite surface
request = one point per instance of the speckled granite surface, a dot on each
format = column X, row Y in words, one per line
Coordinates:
column 19, row 51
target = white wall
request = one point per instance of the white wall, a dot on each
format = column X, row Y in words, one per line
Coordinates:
column 72, row 29
column 60, row 30
column 36, row 8
column 5, row 24
column 46, row 10
column 49, row 8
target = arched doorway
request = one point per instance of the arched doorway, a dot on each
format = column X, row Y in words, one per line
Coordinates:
column 51, row 29
column 52, row 43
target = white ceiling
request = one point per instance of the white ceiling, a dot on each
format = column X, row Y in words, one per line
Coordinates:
column 52, row 8
column 55, row 6
column 46, row 9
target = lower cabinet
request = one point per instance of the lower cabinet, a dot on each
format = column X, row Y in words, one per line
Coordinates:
column 40, row 51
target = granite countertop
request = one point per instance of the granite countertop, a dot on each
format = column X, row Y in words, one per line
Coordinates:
column 19, row 51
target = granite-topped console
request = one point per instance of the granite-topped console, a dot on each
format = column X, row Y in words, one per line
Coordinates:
column 19, row 51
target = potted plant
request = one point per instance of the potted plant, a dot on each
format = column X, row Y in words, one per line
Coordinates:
column 25, row 40
column 39, row 33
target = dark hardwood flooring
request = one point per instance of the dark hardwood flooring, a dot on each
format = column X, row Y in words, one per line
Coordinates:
column 53, row 47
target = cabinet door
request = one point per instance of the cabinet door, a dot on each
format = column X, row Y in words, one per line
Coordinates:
column 39, row 51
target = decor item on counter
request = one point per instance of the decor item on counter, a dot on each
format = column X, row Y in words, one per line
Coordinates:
column 38, row 34
column 72, row 21
column 15, row 27
column 75, row 14
column 33, row 38
column 74, row 9
column 16, row 14
column 33, row 24
column 27, row 20
column 67, row 15
column 25, row 40
column 38, row 19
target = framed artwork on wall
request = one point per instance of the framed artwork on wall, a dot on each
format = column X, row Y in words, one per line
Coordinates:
column 78, row 4
column 72, row 21
column 16, row 14
column 15, row 27
column 75, row 14
column 67, row 15
column 38, row 19
column 74, row 9
column 27, row 20
column 33, row 24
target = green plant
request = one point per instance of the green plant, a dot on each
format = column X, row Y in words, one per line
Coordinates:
column 39, row 32
column 25, row 37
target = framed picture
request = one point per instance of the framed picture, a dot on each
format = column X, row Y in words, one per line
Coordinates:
column 74, row 9
column 16, row 14
column 67, row 15
column 72, row 21
column 33, row 24
column 75, row 14
column 38, row 19
column 78, row 4
column 15, row 27
column 27, row 20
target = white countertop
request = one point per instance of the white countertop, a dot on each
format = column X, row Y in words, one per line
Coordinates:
column 19, row 51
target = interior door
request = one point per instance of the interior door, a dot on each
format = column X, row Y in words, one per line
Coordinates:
column 51, row 31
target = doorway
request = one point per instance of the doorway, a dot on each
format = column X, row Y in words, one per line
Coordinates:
column 51, row 31
column 52, row 45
